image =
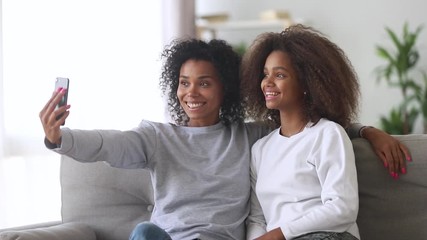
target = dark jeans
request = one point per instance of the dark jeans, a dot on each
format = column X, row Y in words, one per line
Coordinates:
column 148, row 231
column 326, row 236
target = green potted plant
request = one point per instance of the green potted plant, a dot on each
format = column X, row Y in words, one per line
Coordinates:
column 421, row 98
column 240, row 48
column 397, row 72
column 394, row 122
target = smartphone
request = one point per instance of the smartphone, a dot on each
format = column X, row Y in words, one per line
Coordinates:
column 62, row 83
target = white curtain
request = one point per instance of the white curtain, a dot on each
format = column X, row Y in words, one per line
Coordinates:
column 1, row 84
column 110, row 51
column 178, row 19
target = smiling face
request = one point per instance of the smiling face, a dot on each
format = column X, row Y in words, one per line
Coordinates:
column 200, row 92
column 280, row 84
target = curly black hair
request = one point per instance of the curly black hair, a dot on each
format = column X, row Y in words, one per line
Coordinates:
column 224, row 59
column 323, row 70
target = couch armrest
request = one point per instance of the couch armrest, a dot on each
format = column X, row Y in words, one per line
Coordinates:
column 67, row 231
column 31, row 226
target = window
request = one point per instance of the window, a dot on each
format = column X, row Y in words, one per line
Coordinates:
column 109, row 49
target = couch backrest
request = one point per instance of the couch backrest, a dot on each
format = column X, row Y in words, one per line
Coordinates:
column 392, row 209
column 112, row 201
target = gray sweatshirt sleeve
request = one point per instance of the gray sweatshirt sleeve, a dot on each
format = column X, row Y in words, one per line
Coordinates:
column 353, row 131
column 122, row 149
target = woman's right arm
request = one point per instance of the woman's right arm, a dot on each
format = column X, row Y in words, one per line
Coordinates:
column 124, row 149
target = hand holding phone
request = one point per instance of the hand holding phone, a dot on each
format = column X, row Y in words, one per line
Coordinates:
column 62, row 83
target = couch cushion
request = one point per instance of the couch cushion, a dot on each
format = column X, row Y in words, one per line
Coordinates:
column 110, row 200
column 392, row 209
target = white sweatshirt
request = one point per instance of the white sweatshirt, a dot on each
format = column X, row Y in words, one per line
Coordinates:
column 304, row 183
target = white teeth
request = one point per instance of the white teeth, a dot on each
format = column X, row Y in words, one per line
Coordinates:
column 271, row 93
column 194, row 105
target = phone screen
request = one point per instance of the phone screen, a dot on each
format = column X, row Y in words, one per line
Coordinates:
column 62, row 83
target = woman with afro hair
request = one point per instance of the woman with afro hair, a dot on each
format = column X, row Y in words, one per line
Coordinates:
column 303, row 174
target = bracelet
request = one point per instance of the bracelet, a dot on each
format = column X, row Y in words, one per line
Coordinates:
column 363, row 129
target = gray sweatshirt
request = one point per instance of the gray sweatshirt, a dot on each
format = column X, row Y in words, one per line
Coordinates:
column 200, row 175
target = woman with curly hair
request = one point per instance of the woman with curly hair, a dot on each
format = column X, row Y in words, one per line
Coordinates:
column 221, row 59
column 199, row 164
column 392, row 153
column 303, row 173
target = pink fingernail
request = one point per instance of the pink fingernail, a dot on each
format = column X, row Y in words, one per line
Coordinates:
column 409, row 159
column 59, row 89
column 385, row 164
column 403, row 170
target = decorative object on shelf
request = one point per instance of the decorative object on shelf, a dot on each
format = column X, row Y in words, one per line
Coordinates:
column 399, row 72
column 212, row 24
column 275, row 14
column 215, row 18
